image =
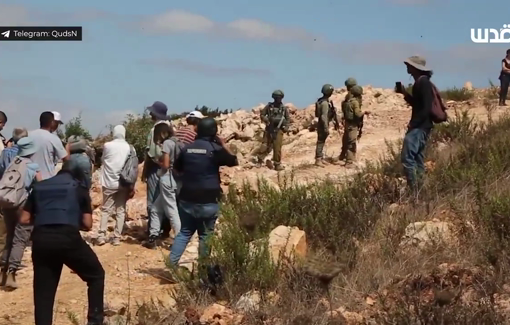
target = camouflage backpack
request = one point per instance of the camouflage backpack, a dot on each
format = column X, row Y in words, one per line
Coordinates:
column 347, row 110
column 317, row 107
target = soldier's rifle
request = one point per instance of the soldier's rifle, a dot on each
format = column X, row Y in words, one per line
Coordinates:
column 360, row 132
column 336, row 122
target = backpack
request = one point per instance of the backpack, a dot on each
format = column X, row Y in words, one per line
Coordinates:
column 179, row 145
column 12, row 185
column 347, row 110
column 129, row 172
column 438, row 109
column 317, row 108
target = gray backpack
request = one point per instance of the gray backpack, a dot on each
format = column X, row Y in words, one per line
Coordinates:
column 129, row 172
column 12, row 185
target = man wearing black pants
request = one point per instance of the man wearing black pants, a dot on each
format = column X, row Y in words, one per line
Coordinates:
column 58, row 208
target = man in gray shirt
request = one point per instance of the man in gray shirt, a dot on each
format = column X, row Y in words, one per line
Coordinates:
column 50, row 149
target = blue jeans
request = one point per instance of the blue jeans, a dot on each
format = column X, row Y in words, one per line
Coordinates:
column 195, row 217
column 413, row 155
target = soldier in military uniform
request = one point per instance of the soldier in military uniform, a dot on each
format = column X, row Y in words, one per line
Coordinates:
column 276, row 117
column 351, row 109
column 325, row 112
column 349, row 83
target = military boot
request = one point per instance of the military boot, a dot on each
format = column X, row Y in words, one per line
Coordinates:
column 278, row 167
column 3, row 277
column 350, row 165
column 336, row 161
column 319, row 162
column 10, row 281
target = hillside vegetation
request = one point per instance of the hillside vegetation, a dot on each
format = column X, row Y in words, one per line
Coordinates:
column 363, row 265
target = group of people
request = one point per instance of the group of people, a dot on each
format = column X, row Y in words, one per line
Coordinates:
column 181, row 170
column 50, row 208
column 424, row 97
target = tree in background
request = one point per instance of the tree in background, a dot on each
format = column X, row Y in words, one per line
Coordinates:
column 137, row 129
column 75, row 127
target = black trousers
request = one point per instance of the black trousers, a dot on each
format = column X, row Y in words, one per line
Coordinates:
column 52, row 248
column 505, row 82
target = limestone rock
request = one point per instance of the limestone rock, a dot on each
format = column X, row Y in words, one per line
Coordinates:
column 287, row 241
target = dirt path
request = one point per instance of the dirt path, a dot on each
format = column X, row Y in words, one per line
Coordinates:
column 134, row 273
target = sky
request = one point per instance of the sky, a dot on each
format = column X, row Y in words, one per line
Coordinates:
column 231, row 53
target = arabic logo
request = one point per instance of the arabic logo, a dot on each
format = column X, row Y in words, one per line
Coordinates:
column 491, row 35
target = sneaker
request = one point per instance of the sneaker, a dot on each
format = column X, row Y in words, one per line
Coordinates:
column 11, row 279
column 100, row 241
column 115, row 241
column 278, row 167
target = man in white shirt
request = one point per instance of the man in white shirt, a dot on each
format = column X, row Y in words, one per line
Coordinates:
column 50, row 148
column 115, row 154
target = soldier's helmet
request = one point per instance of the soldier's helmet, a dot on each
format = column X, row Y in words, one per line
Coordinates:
column 350, row 82
column 327, row 89
column 277, row 94
column 357, row 90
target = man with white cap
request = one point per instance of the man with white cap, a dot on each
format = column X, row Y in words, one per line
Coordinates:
column 57, row 121
column 188, row 133
column 421, row 123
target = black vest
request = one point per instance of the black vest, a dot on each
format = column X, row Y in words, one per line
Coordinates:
column 57, row 202
column 200, row 169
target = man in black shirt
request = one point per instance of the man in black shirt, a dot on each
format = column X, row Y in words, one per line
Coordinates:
column 199, row 166
column 415, row 140
column 59, row 207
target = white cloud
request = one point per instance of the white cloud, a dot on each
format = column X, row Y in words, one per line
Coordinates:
column 206, row 69
column 178, row 21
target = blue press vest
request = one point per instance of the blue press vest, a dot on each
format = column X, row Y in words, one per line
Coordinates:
column 200, row 170
column 56, row 201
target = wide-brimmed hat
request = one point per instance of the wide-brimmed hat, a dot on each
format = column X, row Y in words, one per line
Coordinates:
column 77, row 144
column 159, row 110
column 26, row 147
column 417, row 62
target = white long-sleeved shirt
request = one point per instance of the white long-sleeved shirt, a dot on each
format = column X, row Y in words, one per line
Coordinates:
column 115, row 154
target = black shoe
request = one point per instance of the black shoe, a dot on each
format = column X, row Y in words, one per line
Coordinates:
column 151, row 242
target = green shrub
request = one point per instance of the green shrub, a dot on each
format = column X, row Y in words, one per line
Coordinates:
column 353, row 225
column 137, row 130
column 457, row 94
column 75, row 127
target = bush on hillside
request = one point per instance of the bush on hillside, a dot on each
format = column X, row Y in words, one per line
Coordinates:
column 137, row 129
column 74, row 127
column 358, row 227
column 204, row 110
column 457, row 94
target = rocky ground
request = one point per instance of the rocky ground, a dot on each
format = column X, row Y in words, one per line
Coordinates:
column 135, row 274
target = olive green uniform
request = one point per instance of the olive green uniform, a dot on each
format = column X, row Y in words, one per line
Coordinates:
column 277, row 120
column 324, row 112
column 351, row 109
